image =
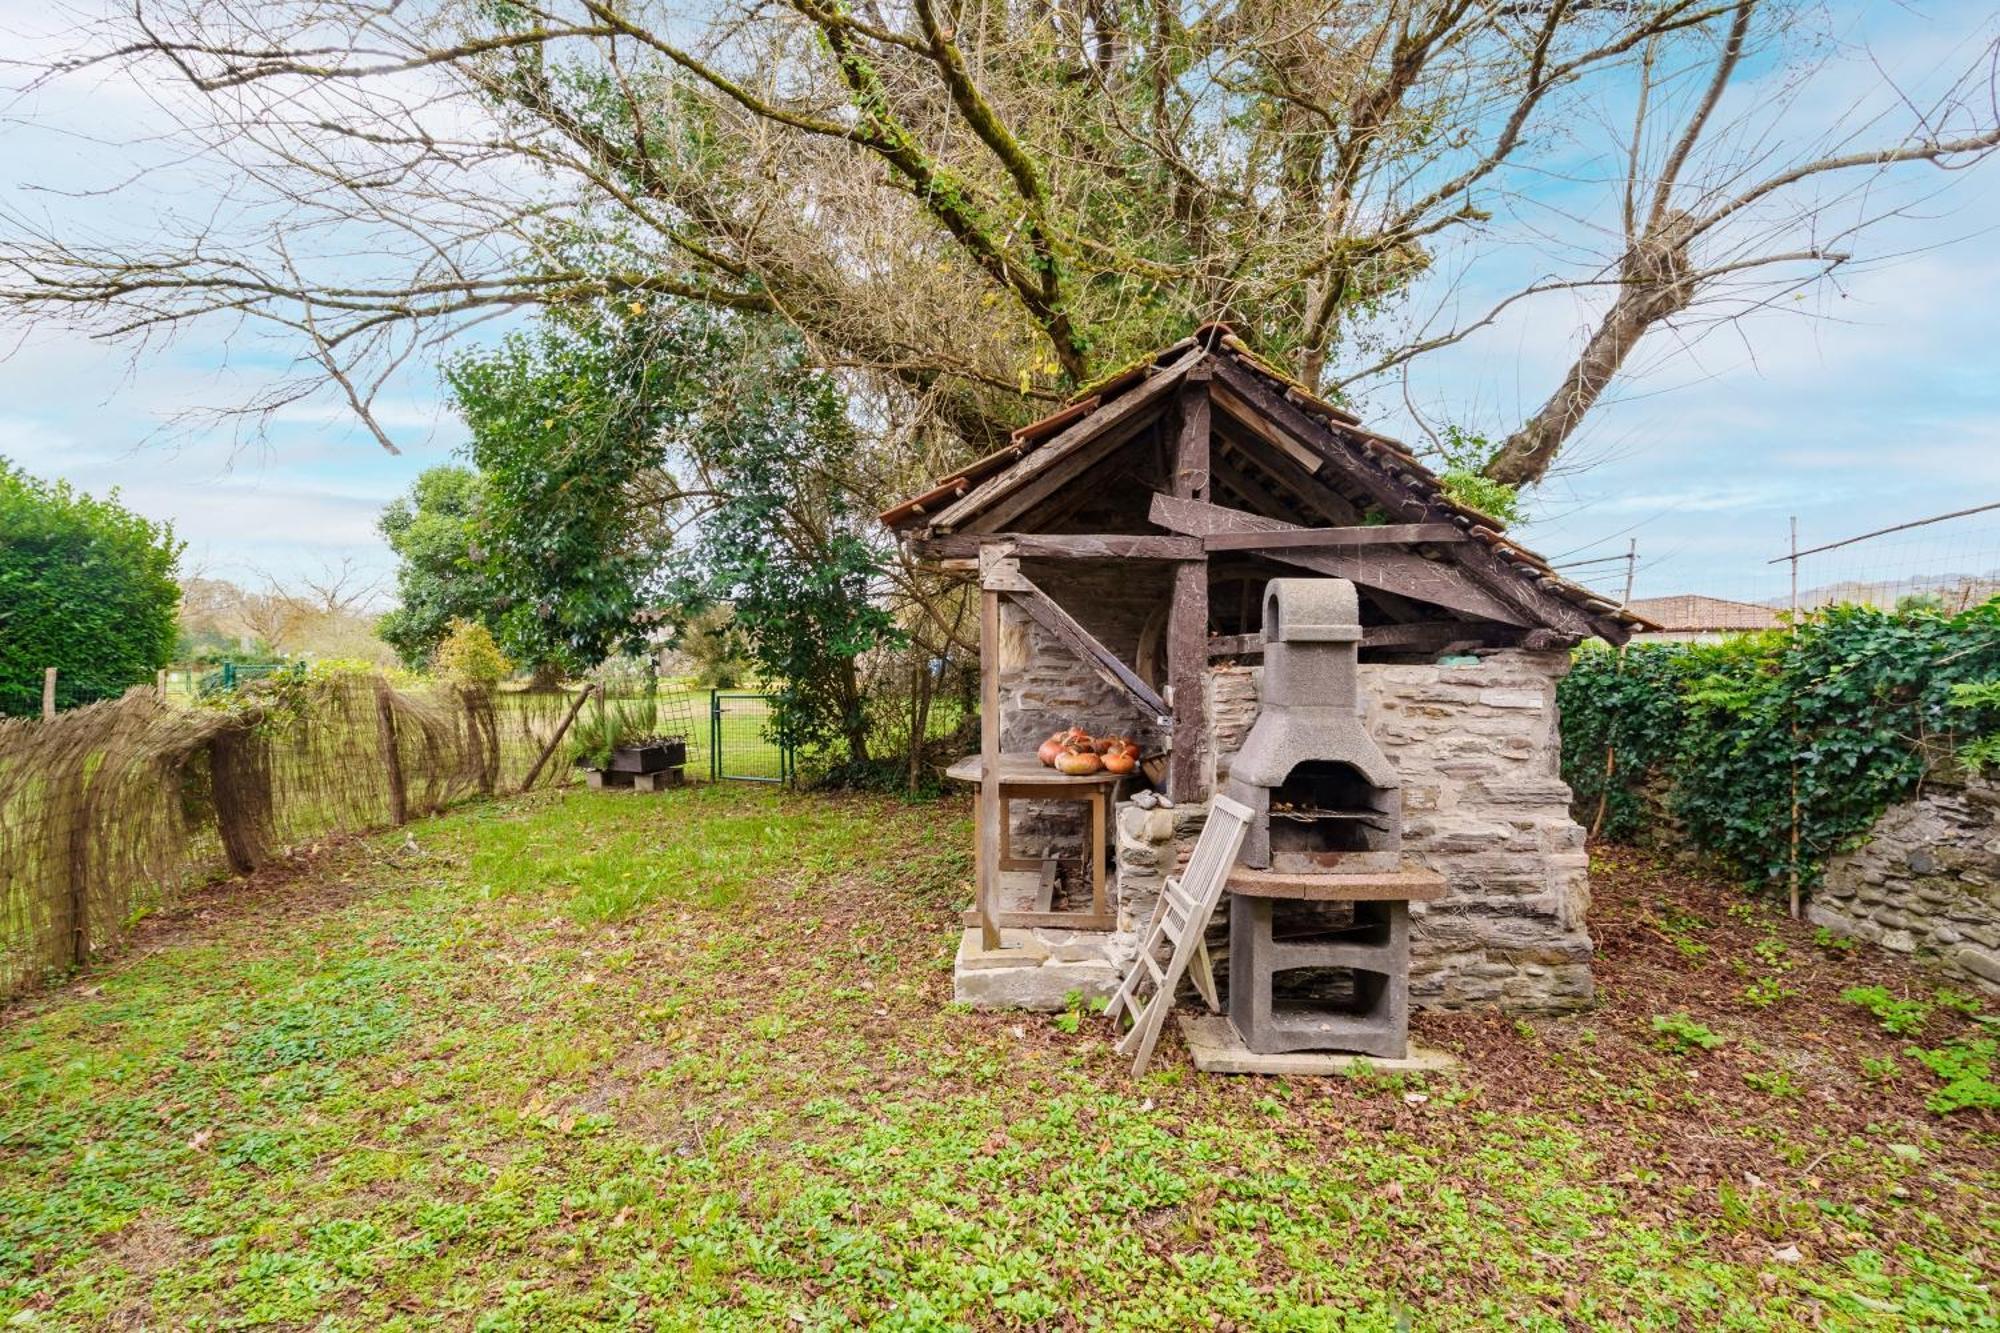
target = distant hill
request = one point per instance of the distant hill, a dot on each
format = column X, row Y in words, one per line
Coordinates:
column 1954, row 592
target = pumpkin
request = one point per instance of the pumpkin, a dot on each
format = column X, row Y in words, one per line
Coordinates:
column 1050, row 748
column 1120, row 762
column 1078, row 763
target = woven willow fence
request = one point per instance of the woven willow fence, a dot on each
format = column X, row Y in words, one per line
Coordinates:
column 108, row 811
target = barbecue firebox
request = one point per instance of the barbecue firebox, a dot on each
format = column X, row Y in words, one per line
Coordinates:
column 1324, row 795
column 1319, row 923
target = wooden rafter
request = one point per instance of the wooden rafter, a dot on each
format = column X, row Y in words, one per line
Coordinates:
column 1404, row 573
column 997, row 500
column 1528, row 602
column 1386, row 534
column 1060, row 546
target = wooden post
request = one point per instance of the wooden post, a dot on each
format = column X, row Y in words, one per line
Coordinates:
column 555, row 740
column 1794, row 631
column 1191, row 450
column 988, row 883
column 1187, row 666
column 392, row 759
column 995, row 563
column 48, row 693
column 1187, row 618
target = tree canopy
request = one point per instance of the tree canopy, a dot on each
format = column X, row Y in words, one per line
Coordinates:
column 984, row 207
column 86, row 586
column 433, row 529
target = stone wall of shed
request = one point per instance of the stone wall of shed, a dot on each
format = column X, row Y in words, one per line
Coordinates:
column 1926, row 882
column 1044, row 687
column 1477, row 750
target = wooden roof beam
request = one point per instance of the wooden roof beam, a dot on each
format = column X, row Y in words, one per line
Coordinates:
column 1386, row 534
column 1401, row 572
column 1061, row 546
column 1001, row 498
column 1528, row 601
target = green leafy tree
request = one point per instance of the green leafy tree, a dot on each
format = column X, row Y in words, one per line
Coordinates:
column 569, row 435
column 468, row 656
column 786, row 549
column 86, row 586
column 434, row 533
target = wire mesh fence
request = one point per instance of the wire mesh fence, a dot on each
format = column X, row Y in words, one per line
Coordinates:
column 741, row 744
column 109, row 811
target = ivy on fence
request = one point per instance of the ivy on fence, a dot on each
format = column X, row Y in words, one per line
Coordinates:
column 1858, row 705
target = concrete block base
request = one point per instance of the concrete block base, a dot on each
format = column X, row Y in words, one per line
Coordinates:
column 1034, row 969
column 1217, row 1049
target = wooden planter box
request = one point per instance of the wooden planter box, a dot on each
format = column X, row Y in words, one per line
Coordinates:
column 652, row 758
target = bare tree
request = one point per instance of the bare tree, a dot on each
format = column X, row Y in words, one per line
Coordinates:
column 976, row 206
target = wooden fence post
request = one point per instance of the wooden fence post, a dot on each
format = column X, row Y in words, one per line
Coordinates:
column 392, row 759
column 556, row 739
column 238, row 784
column 48, row 693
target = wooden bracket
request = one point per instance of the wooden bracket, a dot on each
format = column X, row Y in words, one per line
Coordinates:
column 1043, row 610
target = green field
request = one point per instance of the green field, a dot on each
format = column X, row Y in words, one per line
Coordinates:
column 595, row 1060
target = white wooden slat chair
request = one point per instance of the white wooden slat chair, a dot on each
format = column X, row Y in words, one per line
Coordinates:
column 1181, row 918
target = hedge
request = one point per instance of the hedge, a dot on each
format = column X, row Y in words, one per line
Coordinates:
column 1859, row 702
column 86, row 586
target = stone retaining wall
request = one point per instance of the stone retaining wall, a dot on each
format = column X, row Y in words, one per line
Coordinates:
column 1926, row 882
column 1477, row 749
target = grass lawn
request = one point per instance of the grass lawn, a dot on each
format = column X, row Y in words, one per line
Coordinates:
column 584, row 1060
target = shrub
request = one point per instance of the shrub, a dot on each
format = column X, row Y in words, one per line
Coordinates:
column 468, row 656
column 87, row 587
column 1857, row 703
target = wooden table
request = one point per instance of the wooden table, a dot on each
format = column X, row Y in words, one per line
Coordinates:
column 1024, row 777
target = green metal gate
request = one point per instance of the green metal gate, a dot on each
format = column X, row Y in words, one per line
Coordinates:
column 739, row 739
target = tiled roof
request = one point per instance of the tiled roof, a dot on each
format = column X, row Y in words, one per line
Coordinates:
column 1692, row 613
column 1389, row 457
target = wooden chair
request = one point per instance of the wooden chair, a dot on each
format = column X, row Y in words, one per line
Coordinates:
column 1181, row 918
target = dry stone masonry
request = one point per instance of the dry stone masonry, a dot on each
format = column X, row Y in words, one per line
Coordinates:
column 1927, row 881
column 1476, row 748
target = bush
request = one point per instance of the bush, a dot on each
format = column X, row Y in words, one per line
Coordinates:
column 468, row 656
column 1858, row 703
column 87, row 587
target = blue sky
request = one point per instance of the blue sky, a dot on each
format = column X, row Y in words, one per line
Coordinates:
column 1874, row 402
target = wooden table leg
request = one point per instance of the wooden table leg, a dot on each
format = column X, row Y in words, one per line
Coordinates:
column 1098, row 800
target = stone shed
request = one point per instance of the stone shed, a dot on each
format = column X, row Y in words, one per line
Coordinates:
column 1123, row 547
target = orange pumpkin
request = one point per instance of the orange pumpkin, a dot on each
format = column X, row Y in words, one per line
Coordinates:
column 1078, row 763
column 1120, row 761
column 1050, row 748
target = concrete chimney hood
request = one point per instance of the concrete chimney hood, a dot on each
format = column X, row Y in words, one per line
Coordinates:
column 1308, row 762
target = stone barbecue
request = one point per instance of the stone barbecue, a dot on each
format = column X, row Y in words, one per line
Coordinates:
column 1328, row 830
column 1324, row 795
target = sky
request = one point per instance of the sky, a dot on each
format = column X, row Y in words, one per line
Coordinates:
column 1875, row 401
